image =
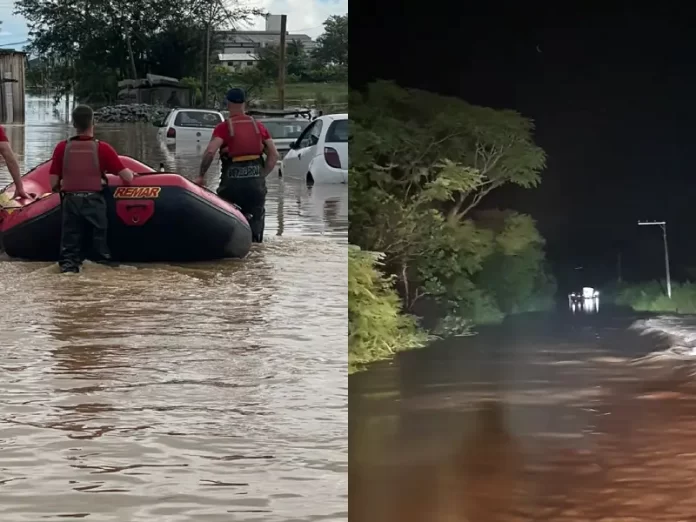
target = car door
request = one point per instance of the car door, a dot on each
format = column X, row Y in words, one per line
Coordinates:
column 308, row 148
column 166, row 121
column 292, row 162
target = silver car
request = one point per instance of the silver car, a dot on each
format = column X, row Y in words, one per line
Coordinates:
column 284, row 125
column 284, row 131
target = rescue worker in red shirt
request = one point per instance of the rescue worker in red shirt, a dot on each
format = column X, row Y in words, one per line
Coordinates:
column 78, row 170
column 12, row 165
column 242, row 141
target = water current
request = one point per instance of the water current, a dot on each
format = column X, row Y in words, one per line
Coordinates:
column 203, row 392
column 549, row 418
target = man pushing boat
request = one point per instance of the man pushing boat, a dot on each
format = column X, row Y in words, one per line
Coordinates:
column 78, row 172
column 242, row 141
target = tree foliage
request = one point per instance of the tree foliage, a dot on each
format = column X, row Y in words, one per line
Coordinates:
column 301, row 66
column 421, row 164
column 89, row 40
column 332, row 44
column 376, row 326
column 515, row 273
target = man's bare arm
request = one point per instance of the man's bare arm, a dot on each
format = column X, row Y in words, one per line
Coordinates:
column 208, row 157
column 12, row 165
column 272, row 156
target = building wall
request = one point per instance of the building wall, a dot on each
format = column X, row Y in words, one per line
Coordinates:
column 238, row 65
column 242, row 41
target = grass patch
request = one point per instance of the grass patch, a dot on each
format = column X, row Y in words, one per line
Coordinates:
column 652, row 297
column 322, row 95
column 377, row 327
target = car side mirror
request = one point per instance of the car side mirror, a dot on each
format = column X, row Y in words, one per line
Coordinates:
column 158, row 123
column 293, row 145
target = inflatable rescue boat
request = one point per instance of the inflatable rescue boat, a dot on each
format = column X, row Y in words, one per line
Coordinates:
column 159, row 217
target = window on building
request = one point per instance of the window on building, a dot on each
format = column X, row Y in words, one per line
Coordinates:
column 250, row 63
column 231, row 64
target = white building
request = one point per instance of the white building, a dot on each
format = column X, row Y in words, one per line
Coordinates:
column 238, row 49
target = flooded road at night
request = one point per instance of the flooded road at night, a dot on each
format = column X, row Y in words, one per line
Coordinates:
column 201, row 392
column 548, row 418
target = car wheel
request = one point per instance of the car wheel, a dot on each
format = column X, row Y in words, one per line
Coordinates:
column 310, row 179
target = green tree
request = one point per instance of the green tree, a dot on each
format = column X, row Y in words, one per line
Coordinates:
column 515, row 273
column 114, row 39
column 332, row 44
column 421, row 163
column 297, row 61
column 376, row 326
column 222, row 78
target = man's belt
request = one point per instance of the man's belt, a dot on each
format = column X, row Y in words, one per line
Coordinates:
column 246, row 158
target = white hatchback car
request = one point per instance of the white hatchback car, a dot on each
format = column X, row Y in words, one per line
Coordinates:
column 320, row 154
column 188, row 125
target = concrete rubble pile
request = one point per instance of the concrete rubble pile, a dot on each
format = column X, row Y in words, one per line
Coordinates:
column 131, row 113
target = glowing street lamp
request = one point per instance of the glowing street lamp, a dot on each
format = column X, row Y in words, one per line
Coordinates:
column 663, row 226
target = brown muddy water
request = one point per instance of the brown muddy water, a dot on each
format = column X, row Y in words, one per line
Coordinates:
column 202, row 392
column 551, row 418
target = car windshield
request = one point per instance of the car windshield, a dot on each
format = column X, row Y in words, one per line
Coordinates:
column 338, row 132
column 197, row 119
column 281, row 130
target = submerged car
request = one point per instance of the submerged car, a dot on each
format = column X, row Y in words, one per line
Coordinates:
column 320, row 153
column 188, row 126
column 284, row 125
column 587, row 294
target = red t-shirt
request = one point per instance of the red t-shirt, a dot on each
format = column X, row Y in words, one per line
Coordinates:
column 223, row 132
column 108, row 158
column 3, row 136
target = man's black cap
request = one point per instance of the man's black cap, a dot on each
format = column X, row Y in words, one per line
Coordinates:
column 235, row 95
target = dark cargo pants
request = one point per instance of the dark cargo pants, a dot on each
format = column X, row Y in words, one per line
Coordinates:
column 243, row 184
column 85, row 223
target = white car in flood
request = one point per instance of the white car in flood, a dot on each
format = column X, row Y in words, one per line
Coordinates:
column 188, row 125
column 320, row 154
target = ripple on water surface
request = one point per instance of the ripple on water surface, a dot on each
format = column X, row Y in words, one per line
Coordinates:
column 200, row 392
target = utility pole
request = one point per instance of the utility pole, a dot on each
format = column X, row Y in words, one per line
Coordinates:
column 618, row 266
column 663, row 226
column 206, row 63
column 281, row 62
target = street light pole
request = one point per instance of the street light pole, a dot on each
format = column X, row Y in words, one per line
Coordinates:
column 663, row 226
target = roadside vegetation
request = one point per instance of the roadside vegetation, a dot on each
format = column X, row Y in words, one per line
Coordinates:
column 377, row 328
column 421, row 165
column 87, row 51
column 652, row 297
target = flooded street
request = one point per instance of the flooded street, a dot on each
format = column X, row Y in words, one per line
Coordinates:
column 203, row 392
column 549, row 418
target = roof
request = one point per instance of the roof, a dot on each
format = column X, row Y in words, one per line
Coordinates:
column 288, row 35
column 237, row 57
column 189, row 109
column 11, row 51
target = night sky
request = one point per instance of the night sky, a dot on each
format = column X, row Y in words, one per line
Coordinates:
column 613, row 96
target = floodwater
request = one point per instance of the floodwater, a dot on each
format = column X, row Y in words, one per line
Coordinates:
column 548, row 418
column 202, row 392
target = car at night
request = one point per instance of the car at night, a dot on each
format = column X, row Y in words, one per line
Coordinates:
column 587, row 294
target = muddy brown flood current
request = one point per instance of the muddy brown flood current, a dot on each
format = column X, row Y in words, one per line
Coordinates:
column 202, row 392
column 556, row 418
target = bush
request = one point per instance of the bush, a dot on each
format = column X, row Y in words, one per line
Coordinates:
column 377, row 328
column 652, row 297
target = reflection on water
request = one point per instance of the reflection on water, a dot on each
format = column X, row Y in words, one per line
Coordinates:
column 587, row 306
column 546, row 419
column 201, row 392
